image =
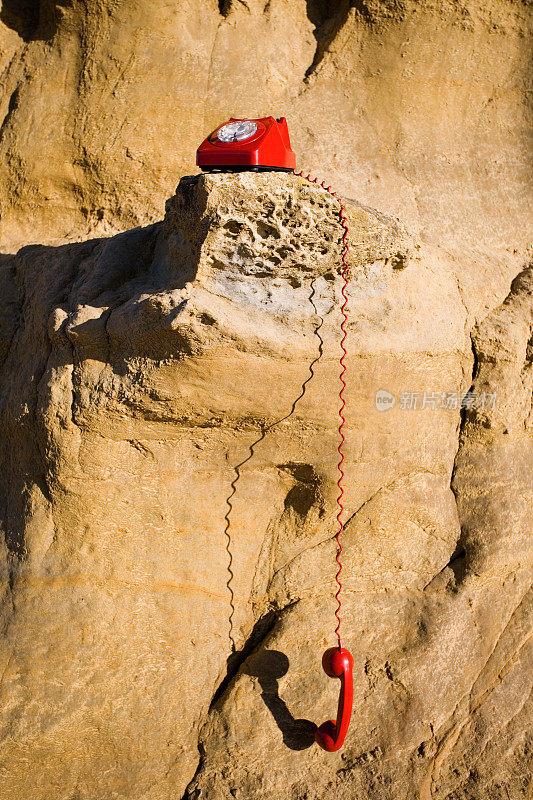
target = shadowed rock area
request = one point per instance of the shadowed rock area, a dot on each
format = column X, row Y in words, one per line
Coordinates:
column 169, row 401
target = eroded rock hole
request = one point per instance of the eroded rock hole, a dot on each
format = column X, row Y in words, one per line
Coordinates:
column 285, row 251
column 233, row 227
column 224, row 7
column 398, row 261
column 22, row 16
column 305, row 493
column 458, row 561
column 265, row 230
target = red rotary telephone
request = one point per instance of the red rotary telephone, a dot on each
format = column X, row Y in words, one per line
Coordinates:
column 248, row 144
column 264, row 144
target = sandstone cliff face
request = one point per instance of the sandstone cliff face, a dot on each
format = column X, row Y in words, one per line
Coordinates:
column 141, row 376
column 419, row 108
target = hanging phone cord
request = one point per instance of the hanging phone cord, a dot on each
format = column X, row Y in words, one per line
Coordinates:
column 344, row 275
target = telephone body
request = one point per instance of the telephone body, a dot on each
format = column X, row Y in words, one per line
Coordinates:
column 248, row 144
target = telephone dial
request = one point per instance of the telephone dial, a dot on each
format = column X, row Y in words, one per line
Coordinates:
column 264, row 144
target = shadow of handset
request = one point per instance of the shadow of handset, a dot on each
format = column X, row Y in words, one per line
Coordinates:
column 269, row 666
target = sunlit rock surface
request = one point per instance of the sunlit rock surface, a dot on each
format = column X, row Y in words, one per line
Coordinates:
column 416, row 107
column 141, row 374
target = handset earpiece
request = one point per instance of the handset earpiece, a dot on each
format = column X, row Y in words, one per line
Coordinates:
column 337, row 662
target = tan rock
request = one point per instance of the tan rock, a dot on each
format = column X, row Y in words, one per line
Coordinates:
column 140, row 374
column 415, row 107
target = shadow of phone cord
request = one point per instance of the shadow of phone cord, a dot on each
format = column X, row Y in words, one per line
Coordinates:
column 251, row 449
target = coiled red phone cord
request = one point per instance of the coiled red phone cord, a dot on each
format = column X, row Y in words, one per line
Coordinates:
column 342, row 216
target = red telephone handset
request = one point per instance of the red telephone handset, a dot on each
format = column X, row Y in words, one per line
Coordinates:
column 337, row 662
